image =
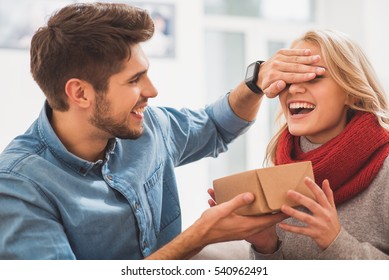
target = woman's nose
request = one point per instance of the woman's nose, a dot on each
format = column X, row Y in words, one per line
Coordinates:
column 296, row 88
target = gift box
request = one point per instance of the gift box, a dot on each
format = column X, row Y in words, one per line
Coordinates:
column 269, row 186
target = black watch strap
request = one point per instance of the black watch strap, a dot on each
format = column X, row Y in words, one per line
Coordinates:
column 252, row 76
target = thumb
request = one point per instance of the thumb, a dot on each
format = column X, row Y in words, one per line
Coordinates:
column 238, row 201
column 275, row 88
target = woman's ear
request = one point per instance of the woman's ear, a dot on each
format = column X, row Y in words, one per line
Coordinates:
column 352, row 101
column 79, row 92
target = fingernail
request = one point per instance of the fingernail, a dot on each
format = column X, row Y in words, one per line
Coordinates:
column 320, row 70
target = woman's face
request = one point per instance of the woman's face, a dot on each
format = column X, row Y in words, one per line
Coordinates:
column 316, row 109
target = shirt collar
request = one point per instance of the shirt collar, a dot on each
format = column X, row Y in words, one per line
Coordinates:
column 59, row 151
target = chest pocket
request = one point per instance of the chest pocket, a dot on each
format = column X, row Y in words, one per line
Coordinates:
column 154, row 192
column 163, row 200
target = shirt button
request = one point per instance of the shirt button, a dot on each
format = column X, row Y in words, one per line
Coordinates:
column 109, row 177
column 136, row 205
column 144, row 245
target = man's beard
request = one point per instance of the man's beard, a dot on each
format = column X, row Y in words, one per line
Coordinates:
column 102, row 119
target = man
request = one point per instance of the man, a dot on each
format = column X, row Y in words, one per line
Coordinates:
column 93, row 177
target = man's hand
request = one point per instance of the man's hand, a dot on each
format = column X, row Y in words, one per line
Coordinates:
column 220, row 223
column 285, row 67
column 217, row 224
column 265, row 241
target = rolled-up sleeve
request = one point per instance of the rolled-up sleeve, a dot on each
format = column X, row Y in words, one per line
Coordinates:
column 227, row 122
column 194, row 134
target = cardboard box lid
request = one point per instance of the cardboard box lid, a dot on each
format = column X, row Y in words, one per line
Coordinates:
column 269, row 186
column 277, row 180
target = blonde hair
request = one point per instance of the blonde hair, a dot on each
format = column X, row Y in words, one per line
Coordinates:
column 349, row 67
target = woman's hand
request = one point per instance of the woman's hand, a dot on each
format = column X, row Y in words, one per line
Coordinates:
column 323, row 224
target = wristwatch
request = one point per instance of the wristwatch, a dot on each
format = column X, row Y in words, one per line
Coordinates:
column 252, row 76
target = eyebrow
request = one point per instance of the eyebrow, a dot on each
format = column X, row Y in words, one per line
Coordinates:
column 137, row 75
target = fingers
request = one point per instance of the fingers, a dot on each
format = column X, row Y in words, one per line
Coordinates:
column 274, row 89
column 318, row 192
column 324, row 202
column 288, row 66
column 303, row 56
column 294, row 229
column 211, row 192
column 328, row 192
column 322, row 224
column 295, row 52
column 255, row 224
column 212, row 200
column 272, row 219
column 211, row 203
column 322, row 198
column 299, row 215
column 237, row 202
column 294, row 67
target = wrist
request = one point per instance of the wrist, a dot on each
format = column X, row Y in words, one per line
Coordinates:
column 244, row 103
column 184, row 246
column 269, row 248
column 251, row 78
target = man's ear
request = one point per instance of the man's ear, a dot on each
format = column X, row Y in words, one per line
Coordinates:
column 79, row 92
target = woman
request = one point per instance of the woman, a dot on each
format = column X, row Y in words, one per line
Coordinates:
column 340, row 122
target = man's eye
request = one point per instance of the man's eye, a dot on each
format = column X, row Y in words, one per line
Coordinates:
column 134, row 81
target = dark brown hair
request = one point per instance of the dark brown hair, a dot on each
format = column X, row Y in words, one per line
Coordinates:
column 85, row 41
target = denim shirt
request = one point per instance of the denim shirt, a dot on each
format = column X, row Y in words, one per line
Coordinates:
column 55, row 205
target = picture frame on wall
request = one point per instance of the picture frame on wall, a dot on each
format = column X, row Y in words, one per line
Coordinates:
column 162, row 44
column 19, row 20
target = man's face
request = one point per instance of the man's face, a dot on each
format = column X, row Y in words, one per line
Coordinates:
column 119, row 111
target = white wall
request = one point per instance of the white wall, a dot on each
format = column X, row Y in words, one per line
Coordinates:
column 376, row 39
column 20, row 97
column 181, row 81
column 367, row 22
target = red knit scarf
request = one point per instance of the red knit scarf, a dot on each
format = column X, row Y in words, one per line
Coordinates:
column 350, row 161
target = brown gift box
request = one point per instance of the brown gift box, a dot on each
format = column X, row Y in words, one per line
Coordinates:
column 269, row 186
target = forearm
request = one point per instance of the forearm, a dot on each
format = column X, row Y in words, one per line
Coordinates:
column 267, row 245
column 345, row 246
column 244, row 102
column 184, row 246
column 217, row 224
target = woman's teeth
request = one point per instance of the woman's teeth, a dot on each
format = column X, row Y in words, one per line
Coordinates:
column 301, row 107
